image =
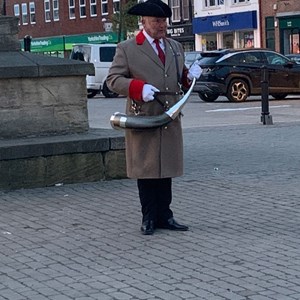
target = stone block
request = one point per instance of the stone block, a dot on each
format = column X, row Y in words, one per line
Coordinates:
column 82, row 167
column 22, row 173
column 115, row 164
column 43, row 106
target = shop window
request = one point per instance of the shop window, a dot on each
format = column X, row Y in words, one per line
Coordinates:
column 294, row 40
column 32, row 13
column 104, row 6
column 209, row 42
column 47, row 11
column 248, row 40
column 228, row 40
column 93, row 8
column 24, row 14
column 82, row 8
column 72, row 9
column 55, row 10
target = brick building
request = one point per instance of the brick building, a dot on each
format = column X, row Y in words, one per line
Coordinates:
column 55, row 25
column 280, row 22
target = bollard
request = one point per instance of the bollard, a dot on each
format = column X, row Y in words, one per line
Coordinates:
column 266, row 118
column 27, row 43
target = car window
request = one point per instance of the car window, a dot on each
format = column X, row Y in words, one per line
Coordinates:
column 234, row 58
column 81, row 53
column 107, row 54
column 209, row 58
column 253, row 58
column 275, row 59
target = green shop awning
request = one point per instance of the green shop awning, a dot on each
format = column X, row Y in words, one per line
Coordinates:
column 61, row 43
column 92, row 38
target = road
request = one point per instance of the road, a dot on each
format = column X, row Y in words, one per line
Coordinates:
column 201, row 114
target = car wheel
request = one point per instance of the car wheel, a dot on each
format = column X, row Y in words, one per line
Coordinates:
column 107, row 92
column 279, row 96
column 91, row 94
column 238, row 90
column 208, row 97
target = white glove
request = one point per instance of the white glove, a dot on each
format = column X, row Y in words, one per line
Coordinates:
column 194, row 72
column 148, row 92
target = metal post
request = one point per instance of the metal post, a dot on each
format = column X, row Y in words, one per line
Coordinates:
column 266, row 118
column 27, row 43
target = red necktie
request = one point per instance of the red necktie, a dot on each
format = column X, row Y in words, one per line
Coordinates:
column 161, row 53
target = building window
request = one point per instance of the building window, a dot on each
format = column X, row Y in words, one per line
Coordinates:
column 24, row 14
column 212, row 3
column 55, row 10
column 72, row 9
column 186, row 10
column 240, row 1
column 93, row 8
column 104, row 6
column 175, row 6
column 17, row 10
column 32, row 12
column 82, row 9
column 47, row 11
column 116, row 6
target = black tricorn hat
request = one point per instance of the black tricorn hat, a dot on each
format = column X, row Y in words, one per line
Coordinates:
column 151, row 8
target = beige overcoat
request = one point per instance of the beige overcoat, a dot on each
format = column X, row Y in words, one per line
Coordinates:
column 150, row 153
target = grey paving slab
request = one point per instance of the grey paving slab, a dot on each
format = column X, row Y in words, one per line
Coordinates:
column 239, row 195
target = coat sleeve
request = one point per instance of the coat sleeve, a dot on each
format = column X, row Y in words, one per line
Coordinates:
column 119, row 79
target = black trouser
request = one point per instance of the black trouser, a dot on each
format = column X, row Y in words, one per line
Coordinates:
column 156, row 197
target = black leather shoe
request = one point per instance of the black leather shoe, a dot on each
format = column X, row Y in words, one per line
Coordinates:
column 147, row 227
column 173, row 225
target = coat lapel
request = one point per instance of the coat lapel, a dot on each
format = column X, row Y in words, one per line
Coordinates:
column 144, row 46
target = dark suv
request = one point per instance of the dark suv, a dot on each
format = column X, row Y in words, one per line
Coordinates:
column 237, row 74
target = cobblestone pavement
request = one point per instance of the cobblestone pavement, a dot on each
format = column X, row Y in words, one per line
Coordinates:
column 239, row 195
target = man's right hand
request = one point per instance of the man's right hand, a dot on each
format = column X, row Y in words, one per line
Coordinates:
column 148, row 92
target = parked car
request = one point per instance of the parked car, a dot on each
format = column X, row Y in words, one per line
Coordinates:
column 237, row 74
column 101, row 55
column 295, row 57
column 190, row 57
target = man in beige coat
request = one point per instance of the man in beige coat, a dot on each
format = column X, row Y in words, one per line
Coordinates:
column 150, row 71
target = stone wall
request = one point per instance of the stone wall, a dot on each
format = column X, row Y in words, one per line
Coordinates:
column 42, row 106
column 65, row 159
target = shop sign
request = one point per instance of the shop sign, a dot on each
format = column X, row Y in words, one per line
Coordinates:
column 93, row 38
column 225, row 22
column 290, row 22
column 61, row 43
column 220, row 23
column 175, row 31
column 179, row 31
column 46, row 44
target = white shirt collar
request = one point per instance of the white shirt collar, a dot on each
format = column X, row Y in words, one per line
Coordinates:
column 151, row 39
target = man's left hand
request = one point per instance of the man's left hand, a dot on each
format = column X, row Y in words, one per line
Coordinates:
column 194, row 71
